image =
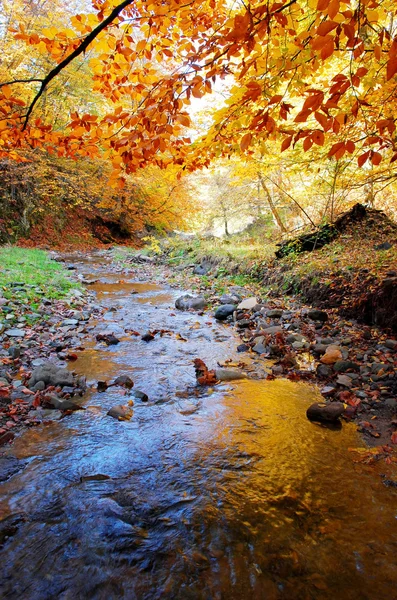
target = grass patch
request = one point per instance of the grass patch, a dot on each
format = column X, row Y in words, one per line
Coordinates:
column 39, row 275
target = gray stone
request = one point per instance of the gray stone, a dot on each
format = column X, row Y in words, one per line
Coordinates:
column 248, row 304
column 62, row 404
column 260, row 348
column 15, row 332
column 70, row 322
column 377, row 367
column 274, row 313
column 125, row 381
column 344, row 365
column 229, row 374
column 188, row 302
column 14, row 352
column 51, row 375
column 325, row 412
column 224, row 311
column 323, row 371
column 39, row 386
column 344, row 380
column 202, row 269
column 391, row 344
column 230, row 299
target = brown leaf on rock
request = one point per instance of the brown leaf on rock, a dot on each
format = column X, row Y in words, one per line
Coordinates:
column 203, row 375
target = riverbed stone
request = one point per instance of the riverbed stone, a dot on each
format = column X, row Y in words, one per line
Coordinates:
column 51, row 374
column 15, row 333
column 230, row 299
column 122, row 413
column 248, row 304
column 224, row 311
column 188, row 302
column 391, row 344
column 229, row 374
column 274, row 313
column 320, row 411
column 317, row 315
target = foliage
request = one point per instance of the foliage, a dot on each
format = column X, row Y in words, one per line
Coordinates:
column 305, row 70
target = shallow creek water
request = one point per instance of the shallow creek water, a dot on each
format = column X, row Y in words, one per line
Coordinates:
column 227, row 494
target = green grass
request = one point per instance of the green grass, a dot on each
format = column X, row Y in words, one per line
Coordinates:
column 35, row 269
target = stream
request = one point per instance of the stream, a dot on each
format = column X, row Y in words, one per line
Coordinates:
column 224, row 493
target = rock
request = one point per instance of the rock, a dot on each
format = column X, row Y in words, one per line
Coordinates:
column 248, row 304
column 39, row 386
column 140, row 395
column 317, row 315
column 62, row 404
column 332, row 354
column 383, row 246
column 125, row 381
column 275, row 313
column 109, row 338
column 260, row 348
column 188, row 408
column 319, row 349
column 378, row 367
column 102, row 386
column 392, row 344
column 323, row 371
column 224, row 311
column 147, row 337
column 344, row 380
column 70, row 322
column 345, row 365
column 230, row 299
column 122, row 413
column 202, row 269
column 244, row 323
column 328, row 390
column 15, row 332
column 325, row 412
column 51, row 375
column 14, row 352
column 188, row 302
column 243, row 348
column 229, row 374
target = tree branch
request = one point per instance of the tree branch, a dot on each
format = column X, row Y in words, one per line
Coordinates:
column 83, row 46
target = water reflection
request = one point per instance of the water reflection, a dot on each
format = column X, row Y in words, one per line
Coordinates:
column 240, row 498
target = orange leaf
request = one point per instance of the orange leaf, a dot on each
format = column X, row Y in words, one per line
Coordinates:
column 245, row 141
column 376, row 158
column 322, row 4
column 327, row 50
column 287, row 143
column 335, row 149
column 325, row 27
column 307, row 144
column 318, row 137
column 394, row 437
column 322, row 119
column 391, row 67
column 350, row 146
column 333, row 8
column 363, row 158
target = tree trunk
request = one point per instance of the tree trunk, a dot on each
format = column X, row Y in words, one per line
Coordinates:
column 274, row 210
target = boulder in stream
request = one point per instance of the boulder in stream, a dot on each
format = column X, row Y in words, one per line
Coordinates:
column 188, row 302
column 319, row 411
column 224, row 311
column 229, row 374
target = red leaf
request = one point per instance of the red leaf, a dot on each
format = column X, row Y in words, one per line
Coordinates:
column 245, row 141
column 363, row 158
column 391, row 68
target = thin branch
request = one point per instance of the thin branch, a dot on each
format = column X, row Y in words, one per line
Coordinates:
column 83, row 46
column 19, row 81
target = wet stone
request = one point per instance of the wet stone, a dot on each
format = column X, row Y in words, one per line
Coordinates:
column 123, row 413
column 345, row 365
column 229, row 374
column 51, row 375
column 125, row 381
column 224, row 311
column 188, row 302
column 140, row 395
column 275, row 313
column 14, row 352
column 325, row 412
column 243, row 348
